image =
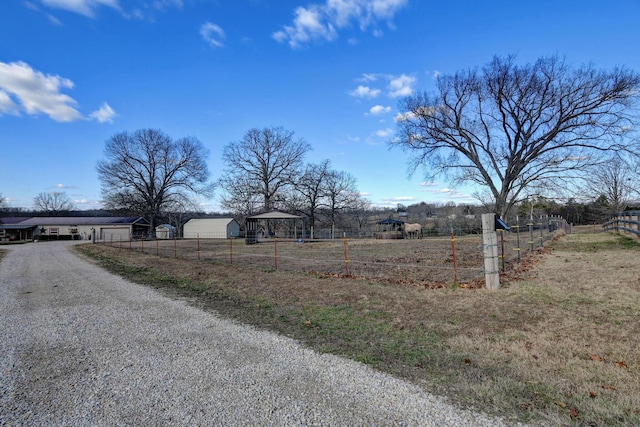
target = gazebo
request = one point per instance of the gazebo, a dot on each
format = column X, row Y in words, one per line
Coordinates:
column 389, row 229
column 273, row 224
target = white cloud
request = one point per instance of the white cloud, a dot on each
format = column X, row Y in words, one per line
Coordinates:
column 368, row 77
column 436, row 74
column 55, row 21
column 37, row 92
column 212, row 34
column 82, row 7
column 23, row 89
column 398, row 86
column 398, row 199
column 384, row 133
column 65, row 186
column 165, row 4
column 365, row 92
column 104, row 114
column 139, row 10
column 376, row 110
column 7, row 106
column 403, row 117
column 321, row 21
column 401, row 86
column 308, row 25
column 452, row 194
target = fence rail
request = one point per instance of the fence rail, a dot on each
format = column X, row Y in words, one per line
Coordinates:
column 627, row 223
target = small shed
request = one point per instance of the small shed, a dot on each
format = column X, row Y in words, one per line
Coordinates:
column 165, row 231
column 211, row 228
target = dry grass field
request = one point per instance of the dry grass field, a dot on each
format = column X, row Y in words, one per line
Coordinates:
column 430, row 262
column 558, row 344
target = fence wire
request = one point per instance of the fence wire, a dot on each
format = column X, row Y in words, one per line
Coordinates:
column 430, row 261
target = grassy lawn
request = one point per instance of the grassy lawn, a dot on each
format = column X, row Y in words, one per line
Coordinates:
column 558, row 344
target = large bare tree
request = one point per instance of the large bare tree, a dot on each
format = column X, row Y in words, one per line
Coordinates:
column 55, row 203
column 146, row 171
column 518, row 130
column 261, row 168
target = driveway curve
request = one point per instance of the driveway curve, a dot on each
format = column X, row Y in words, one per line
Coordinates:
column 80, row 346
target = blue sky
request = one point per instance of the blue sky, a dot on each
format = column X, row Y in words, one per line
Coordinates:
column 75, row 72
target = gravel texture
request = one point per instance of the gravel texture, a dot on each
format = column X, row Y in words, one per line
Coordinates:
column 80, row 346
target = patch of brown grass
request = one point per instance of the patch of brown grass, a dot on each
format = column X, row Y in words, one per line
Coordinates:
column 558, row 344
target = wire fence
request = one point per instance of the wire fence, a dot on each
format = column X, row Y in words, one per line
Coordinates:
column 527, row 235
column 429, row 261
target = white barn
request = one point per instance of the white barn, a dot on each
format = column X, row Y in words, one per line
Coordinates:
column 211, row 228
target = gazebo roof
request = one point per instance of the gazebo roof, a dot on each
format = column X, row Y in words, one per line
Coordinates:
column 274, row 215
column 390, row 221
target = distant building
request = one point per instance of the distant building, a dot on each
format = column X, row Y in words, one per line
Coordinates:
column 211, row 228
column 165, row 231
column 79, row 228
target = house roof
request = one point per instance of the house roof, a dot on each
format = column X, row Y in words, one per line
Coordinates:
column 81, row 220
column 274, row 215
column 16, row 227
column 167, row 226
column 12, row 219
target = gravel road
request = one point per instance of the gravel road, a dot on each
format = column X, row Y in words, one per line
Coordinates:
column 80, row 346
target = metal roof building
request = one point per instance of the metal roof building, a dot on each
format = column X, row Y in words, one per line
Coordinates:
column 211, row 228
column 104, row 228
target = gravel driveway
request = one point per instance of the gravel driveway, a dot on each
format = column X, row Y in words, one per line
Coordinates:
column 80, row 346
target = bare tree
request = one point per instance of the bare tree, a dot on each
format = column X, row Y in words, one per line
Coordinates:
column 359, row 214
column 242, row 196
column 341, row 194
column 312, row 190
column 517, row 129
column 55, row 203
column 614, row 180
column 264, row 164
column 147, row 171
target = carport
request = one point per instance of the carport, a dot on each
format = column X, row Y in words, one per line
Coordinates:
column 273, row 224
column 17, row 232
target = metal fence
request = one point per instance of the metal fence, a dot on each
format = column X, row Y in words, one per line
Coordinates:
column 527, row 235
column 430, row 262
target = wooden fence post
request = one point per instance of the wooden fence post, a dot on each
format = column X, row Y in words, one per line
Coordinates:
column 490, row 243
column 346, row 256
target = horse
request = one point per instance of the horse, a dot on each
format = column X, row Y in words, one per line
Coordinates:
column 411, row 229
